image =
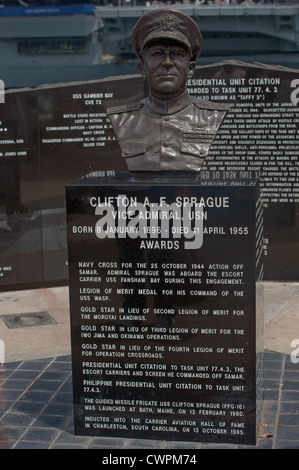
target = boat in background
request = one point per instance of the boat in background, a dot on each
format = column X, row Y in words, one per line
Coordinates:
column 68, row 42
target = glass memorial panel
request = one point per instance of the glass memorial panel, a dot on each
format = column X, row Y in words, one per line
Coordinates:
column 20, row 215
column 61, row 132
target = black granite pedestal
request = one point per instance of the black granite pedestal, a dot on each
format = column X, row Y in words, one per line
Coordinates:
column 165, row 278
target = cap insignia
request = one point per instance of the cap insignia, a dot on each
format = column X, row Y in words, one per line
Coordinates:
column 169, row 23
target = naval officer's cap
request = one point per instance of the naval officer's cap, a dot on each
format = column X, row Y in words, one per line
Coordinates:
column 165, row 23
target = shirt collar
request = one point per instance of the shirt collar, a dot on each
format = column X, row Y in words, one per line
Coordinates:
column 169, row 106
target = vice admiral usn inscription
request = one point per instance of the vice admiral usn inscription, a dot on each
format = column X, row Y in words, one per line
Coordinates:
column 169, row 130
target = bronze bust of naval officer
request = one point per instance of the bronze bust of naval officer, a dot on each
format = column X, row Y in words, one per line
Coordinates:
column 169, row 130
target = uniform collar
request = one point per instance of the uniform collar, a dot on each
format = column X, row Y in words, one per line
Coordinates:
column 169, row 106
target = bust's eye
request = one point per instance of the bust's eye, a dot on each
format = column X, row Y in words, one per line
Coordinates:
column 157, row 53
column 177, row 54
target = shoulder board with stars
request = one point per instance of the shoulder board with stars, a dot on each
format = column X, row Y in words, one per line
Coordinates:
column 125, row 108
column 211, row 105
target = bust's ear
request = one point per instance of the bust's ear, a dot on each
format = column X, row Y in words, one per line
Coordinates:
column 191, row 69
column 141, row 69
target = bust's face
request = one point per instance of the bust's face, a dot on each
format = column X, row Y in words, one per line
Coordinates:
column 167, row 65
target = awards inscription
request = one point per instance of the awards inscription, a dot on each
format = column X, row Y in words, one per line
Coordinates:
column 165, row 306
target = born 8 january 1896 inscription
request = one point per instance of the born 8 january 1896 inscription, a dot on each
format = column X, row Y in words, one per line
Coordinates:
column 164, row 298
